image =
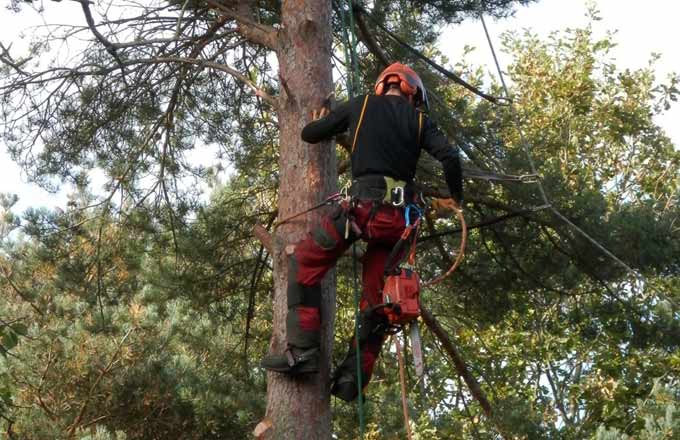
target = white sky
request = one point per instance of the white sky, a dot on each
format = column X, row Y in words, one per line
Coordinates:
column 643, row 28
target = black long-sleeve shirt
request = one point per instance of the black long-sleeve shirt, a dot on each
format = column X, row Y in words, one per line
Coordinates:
column 387, row 143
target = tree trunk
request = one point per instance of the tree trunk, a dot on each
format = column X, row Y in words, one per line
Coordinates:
column 300, row 408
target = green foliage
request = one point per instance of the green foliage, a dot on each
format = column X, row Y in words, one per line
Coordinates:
column 656, row 417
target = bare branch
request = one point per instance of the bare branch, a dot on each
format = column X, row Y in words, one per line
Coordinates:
column 110, row 48
column 6, row 58
column 368, row 40
column 93, row 70
column 261, row 233
column 213, row 65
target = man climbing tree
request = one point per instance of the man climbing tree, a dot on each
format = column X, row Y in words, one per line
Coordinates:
column 389, row 130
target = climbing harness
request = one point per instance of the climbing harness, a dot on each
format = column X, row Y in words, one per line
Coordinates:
column 382, row 189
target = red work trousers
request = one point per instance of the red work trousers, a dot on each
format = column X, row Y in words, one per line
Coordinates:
column 381, row 226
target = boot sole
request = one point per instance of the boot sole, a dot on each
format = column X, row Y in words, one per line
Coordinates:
column 342, row 391
column 293, row 371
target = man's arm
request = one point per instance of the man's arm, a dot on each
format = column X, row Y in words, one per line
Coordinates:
column 335, row 122
column 435, row 143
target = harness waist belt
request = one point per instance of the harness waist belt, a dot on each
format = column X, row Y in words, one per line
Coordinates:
column 382, row 188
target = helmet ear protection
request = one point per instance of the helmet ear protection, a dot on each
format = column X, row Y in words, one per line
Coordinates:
column 405, row 88
column 408, row 80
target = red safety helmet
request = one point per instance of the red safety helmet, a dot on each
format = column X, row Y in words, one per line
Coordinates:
column 409, row 82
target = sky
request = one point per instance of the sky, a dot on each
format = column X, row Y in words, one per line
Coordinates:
column 640, row 32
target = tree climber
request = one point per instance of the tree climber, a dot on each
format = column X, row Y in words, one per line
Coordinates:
column 388, row 130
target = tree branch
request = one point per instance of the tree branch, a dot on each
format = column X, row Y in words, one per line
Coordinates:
column 76, row 422
column 457, row 359
column 6, row 58
column 255, row 32
column 222, row 67
column 264, row 236
column 482, row 224
column 110, row 48
column 8, row 277
column 366, row 37
column 461, row 367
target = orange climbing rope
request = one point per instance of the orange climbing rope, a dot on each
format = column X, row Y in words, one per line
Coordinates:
column 461, row 250
column 402, row 380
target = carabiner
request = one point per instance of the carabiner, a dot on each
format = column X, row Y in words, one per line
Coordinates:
column 529, row 178
column 407, row 213
column 344, row 193
column 399, row 192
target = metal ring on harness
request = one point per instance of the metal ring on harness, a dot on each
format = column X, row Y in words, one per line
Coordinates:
column 407, row 213
column 397, row 191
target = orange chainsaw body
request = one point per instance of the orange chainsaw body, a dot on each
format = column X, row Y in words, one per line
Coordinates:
column 401, row 296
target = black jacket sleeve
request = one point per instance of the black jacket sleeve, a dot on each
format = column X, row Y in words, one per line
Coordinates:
column 336, row 122
column 435, row 143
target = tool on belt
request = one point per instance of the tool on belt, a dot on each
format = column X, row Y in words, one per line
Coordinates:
column 401, row 294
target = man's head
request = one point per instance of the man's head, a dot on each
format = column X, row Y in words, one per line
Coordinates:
column 394, row 89
column 405, row 80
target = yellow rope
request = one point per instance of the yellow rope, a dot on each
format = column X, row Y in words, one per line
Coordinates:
column 402, row 381
column 361, row 118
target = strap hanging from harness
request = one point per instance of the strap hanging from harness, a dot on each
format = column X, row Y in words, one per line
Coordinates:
column 406, row 239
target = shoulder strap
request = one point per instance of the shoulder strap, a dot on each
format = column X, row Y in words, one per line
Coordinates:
column 420, row 125
column 361, row 118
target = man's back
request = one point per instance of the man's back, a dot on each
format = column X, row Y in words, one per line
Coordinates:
column 390, row 137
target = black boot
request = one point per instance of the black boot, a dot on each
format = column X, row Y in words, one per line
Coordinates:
column 344, row 386
column 293, row 361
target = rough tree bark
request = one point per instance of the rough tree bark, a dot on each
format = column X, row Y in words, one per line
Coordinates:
column 300, row 408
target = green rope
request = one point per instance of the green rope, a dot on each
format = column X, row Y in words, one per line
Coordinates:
column 352, row 47
column 352, row 88
column 357, row 328
column 348, row 58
